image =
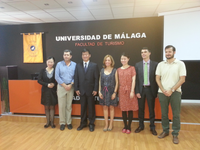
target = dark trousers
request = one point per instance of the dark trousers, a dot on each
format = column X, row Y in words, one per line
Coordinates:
column 87, row 101
column 146, row 93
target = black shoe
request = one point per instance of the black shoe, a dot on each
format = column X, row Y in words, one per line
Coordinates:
column 62, row 127
column 46, row 125
column 91, row 128
column 153, row 131
column 139, row 129
column 81, row 127
column 69, row 126
column 53, row 126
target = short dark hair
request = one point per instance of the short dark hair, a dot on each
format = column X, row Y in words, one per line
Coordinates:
column 67, row 50
column 85, row 50
column 170, row 46
column 126, row 55
column 51, row 57
column 146, row 49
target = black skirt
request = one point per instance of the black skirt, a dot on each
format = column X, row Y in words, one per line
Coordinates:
column 49, row 97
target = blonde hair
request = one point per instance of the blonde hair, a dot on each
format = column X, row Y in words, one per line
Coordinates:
column 112, row 61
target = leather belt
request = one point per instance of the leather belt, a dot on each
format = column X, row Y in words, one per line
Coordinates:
column 146, row 86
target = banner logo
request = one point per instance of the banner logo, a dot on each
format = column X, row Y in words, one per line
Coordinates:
column 33, row 52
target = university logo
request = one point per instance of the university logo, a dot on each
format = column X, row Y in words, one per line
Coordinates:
column 32, row 48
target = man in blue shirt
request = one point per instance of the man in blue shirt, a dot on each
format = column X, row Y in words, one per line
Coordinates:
column 64, row 75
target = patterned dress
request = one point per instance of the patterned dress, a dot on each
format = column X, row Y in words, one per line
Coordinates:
column 125, row 83
column 107, row 88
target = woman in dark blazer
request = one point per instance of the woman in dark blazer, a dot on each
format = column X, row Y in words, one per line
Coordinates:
column 49, row 97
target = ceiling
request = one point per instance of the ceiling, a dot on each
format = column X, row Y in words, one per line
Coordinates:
column 46, row 11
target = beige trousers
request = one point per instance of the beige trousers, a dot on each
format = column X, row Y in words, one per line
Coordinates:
column 65, row 104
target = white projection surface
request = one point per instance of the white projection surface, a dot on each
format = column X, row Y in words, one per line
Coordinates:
column 183, row 32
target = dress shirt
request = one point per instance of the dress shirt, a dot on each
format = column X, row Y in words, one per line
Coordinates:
column 64, row 73
column 87, row 63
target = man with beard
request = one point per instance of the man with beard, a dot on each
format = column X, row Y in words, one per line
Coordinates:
column 170, row 75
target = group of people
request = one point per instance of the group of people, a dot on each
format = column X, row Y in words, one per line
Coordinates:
column 127, row 87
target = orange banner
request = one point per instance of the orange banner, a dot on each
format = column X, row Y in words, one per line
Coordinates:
column 33, row 51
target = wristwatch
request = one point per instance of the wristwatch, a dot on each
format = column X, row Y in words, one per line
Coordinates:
column 172, row 90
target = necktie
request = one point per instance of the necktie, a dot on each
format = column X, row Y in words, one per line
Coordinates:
column 145, row 74
column 85, row 67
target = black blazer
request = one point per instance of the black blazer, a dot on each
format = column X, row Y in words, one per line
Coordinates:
column 44, row 80
column 86, row 82
column 140, row 77
column 48, row 95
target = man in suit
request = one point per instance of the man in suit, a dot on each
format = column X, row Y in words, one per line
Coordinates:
column 86, row 86
column 146, row 87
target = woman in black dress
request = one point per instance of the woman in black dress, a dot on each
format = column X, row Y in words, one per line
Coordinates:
column 49, row 97
column 108, row 85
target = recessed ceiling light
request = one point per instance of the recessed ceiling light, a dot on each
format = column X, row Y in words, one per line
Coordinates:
column 46, row 4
